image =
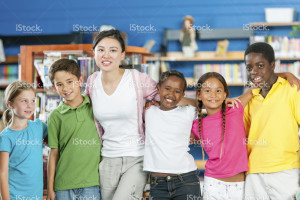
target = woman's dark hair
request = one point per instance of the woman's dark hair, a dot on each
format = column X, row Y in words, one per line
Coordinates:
column 115, row 34
column 165, row 75
column 261, row 47
column 200, row 83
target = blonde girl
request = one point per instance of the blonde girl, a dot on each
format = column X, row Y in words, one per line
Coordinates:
column 21, row 164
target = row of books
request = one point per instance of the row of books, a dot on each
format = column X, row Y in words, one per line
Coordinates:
column 2, row 103
column 283, row 46
column 8, row 74
column 86, row 63
column 45, row 103
column 233, row 73
column 294, row 68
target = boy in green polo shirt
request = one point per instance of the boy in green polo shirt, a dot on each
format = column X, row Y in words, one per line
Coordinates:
column 271, row 121
column 73, row 138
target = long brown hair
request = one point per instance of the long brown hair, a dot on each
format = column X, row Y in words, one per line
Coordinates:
column 10, row 93
column 200, row 82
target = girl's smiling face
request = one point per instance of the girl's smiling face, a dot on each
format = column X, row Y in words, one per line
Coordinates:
column 23, row 105
column 212, row 94
column 171, row 91
column 108, row 54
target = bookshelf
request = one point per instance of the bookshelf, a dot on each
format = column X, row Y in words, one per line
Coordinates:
column 8, row 73
column 28, row 52
column 200, row 56
column 33, row 65
column 274, row 24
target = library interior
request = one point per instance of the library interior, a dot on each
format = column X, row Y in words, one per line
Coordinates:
column 35, row 34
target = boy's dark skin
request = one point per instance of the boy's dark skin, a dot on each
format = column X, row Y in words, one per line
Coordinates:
column 260, row 72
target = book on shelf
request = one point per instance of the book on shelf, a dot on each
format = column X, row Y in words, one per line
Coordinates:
column 86, row 63
column 8, row 74
column 283, row 46
column 45, row 104
column 294, row 68
column 233, row 73
column 2, row 103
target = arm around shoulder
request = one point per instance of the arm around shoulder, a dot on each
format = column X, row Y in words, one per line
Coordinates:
column 246, row 97
column 148, row 86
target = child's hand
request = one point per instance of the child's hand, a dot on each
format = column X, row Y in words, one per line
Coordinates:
column 51, row 195
column 150, row 103
column 232, row 102
column 293, row 80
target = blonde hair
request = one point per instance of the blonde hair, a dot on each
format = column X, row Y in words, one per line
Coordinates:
column 10, row 93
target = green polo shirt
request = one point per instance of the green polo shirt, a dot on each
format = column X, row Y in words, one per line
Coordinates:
column 73, row 132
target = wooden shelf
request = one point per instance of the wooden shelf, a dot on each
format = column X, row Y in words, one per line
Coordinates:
column 3, row 86
column 274, row 24
column 11, row 59
column 296, row 58
column 200, row 56
column 28, row 51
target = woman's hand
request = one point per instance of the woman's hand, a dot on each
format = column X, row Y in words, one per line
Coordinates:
column 150, row 103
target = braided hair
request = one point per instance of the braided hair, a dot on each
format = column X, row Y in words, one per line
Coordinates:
column 200, row 82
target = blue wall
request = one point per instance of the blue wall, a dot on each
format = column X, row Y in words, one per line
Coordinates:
column 59, row 17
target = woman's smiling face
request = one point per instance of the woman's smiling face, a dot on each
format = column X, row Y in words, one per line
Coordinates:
column 108, row 54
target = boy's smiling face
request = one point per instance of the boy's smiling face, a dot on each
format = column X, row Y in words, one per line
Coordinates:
column 68, row 87
column 260, row 71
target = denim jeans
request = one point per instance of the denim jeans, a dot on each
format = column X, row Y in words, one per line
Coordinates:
column 89, row 193
column 178, row 187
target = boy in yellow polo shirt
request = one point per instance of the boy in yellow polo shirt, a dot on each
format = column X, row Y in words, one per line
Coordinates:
column 271, row 121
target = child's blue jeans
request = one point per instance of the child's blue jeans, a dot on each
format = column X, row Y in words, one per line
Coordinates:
column 177, row 187
column 89, row 193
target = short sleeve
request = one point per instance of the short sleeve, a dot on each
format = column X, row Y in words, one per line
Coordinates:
column 53, row 131
column 247, row 121
column 297, row 106
column 5, row 143
column 44, row 127
column 195, row 129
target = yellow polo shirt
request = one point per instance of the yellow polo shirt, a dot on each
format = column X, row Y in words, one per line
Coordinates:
column 271, row 125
